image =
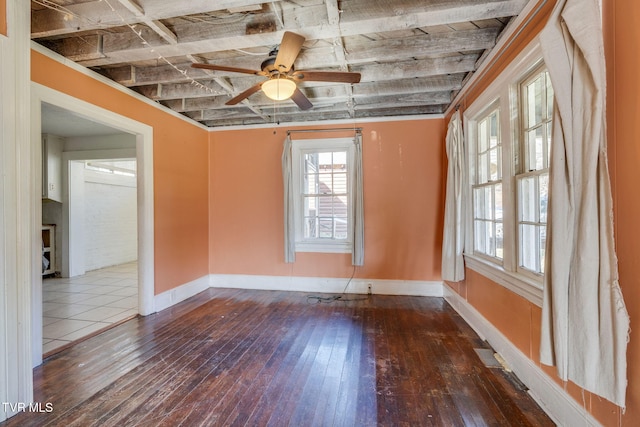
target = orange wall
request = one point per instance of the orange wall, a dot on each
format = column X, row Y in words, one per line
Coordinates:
column 3, row 17
column 622, row 43
column 520, row 320
column 402, row 168
column 180, row 161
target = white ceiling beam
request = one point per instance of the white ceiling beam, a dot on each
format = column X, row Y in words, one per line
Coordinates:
column 333, row 17
column 155, row 25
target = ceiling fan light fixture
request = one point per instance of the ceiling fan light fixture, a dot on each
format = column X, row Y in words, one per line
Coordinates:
column 279, row 89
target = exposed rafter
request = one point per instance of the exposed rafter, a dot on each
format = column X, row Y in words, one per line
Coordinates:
column 412, row 55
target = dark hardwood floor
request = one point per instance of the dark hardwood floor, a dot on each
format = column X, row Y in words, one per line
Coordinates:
column 237, row 357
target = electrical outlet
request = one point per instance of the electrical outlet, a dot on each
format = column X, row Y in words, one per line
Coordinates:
column 369, row 289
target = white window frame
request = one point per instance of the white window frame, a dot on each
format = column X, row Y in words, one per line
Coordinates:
column 503, row 93
column 299, row 149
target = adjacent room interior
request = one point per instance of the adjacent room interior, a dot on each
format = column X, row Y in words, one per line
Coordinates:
column 90, row 281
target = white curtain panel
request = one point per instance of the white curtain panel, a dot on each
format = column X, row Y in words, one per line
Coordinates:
column 289, row 224
column 357, row 255
column 453, row 234
column 584, row 320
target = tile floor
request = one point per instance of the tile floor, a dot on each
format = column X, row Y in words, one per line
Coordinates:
column 78, row 306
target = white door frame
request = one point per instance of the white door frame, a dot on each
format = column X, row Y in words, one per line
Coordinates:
column 144, row 157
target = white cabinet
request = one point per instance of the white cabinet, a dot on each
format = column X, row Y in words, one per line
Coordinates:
column 48, row 249
column 52, row 147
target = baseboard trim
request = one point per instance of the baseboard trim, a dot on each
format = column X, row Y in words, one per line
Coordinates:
column 327, row 285
column 180, row 293
column 558, row 404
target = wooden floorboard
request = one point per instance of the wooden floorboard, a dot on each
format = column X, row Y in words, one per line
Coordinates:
column 267, row 358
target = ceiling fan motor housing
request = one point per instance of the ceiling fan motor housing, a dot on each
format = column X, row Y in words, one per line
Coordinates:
column 269, row 65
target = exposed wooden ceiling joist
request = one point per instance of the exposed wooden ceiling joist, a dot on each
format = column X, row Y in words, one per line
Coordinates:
column 413, row 55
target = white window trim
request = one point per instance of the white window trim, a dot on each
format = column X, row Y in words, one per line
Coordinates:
column 299, row 147
column 504, row 93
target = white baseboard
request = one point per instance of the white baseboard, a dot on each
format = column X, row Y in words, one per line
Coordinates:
column 557, row 403
column 327, row 285
column 180, row 293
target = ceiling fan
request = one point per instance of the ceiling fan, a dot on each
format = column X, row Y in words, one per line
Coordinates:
column 282, row 76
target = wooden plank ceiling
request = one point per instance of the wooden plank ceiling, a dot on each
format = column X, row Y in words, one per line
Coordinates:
column 413, row 55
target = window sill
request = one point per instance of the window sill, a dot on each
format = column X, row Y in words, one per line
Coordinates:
column 524, row 286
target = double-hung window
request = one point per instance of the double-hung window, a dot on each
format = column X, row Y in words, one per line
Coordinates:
column 487, row 188
column 508, row 133
column 323, row 189
column 532, row 176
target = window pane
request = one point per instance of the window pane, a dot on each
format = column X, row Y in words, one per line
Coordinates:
column 310, row 227
column 536, row 159
column 489, row 237
column 311, row 184
column 483, row 136
column 494, row 139
column 483, row 175
column 340, row 215
column 534, row 102
column 543, row 243
column 478, row 203
column 499, row 240
column 494, row 166
column 488, row 202
column 480, row 237
column 543, row 190
column 325, row 227
column 528, row 199
column 339, row 183
column 310, row 206
column 530, row 245
column 498, row 201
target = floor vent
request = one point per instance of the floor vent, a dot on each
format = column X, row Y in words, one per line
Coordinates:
column 487, row 356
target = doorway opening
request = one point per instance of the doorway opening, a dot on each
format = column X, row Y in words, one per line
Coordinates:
column 96, row 143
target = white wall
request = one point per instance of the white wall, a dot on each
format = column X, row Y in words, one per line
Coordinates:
column 110, row 203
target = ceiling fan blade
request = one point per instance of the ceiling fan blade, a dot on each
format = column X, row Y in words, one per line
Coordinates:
column 247, row 93
column 231, row 69
column 326, row 76
column 288, row 51
column 301, row 100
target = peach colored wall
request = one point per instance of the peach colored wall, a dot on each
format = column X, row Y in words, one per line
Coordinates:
column 181, row 168
column 520, row 320
column 3, row 17
column 402, row 164
column 622, row 43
